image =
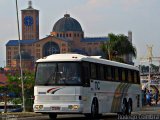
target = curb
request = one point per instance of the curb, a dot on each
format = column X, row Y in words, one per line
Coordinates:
column 150, row 109
column 20, row 114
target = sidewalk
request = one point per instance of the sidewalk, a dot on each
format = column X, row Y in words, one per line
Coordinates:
column 19, row 114
column 153, row 107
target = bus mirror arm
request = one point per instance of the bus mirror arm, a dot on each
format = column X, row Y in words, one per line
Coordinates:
column 85, row 85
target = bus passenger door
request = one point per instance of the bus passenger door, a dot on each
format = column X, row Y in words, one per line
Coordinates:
column 86, row 94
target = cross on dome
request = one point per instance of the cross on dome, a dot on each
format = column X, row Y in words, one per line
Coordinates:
column 30, row 4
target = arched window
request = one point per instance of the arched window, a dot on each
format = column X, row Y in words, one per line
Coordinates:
column 50, row 48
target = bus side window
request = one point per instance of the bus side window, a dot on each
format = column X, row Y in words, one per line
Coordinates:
column 135, row 77
column 100, row 72
column 138, row 77
column 126, row 75
column 116, row 74
column 129, row 76
column 123, row 75
column 113, row 73
column 120, row 74
column 105, row 73
column 132, row 76
column 108, row 73
column 93, row 71
column 86, row 74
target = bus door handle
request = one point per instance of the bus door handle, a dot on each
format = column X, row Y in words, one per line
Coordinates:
column 97, row 85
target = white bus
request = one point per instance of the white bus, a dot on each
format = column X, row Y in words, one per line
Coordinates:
column 74, row 83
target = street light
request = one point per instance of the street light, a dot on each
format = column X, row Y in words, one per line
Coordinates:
column 20, row 60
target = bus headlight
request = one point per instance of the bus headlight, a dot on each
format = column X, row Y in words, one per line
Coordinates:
column 73, row 107
column 38, row 107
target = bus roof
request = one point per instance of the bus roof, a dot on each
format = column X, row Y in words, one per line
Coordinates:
column 79, row 57
column 62, row 57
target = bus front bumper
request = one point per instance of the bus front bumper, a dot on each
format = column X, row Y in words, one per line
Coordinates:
column 58, row 108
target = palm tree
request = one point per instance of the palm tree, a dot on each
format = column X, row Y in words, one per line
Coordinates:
column 117, row 47
column 107, row 47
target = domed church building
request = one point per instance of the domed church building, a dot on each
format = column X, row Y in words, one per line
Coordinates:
column 67, row 36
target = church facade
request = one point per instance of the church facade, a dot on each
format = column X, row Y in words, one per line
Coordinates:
column 67, row 36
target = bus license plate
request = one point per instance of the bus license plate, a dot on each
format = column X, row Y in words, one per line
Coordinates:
column 55, row 108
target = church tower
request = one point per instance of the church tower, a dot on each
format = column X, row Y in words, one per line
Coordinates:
column 30, row 23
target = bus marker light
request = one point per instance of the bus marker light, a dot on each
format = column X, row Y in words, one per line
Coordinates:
column 38, row 107
column 73, row 107
column 74, row 57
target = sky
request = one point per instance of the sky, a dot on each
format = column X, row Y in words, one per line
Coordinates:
column 97, row 19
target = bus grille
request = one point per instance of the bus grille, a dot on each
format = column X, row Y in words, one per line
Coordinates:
column 47, row 98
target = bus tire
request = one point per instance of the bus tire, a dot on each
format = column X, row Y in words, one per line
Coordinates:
column 52, row 116
column 124, row 106
column 129, row 106
column 94, row 108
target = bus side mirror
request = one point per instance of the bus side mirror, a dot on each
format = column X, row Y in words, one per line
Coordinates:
column 86, row 84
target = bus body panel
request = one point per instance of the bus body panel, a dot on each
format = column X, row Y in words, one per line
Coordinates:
column 109, row 95
column 134, row 92
column 57, row 98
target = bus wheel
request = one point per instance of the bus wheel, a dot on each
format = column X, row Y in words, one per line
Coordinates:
column 52, row 116
column 129, row 106
column 94, row 108
column 124, row 106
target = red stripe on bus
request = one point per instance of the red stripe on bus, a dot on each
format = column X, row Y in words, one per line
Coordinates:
column 52, row 89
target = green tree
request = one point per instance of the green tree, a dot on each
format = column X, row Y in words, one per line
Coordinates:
column 14, row 86
column 153, row 68
column 29, row 89
column 1, row 69
column 117, row 46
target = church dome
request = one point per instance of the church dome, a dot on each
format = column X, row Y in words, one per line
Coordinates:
column 67, row 23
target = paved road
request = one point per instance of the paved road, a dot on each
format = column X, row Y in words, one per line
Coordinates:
column 62, row 117
column 141, row 115
column 148, row 113
column 69, row 117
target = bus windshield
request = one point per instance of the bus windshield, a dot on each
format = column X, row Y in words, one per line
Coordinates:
column 58, row 73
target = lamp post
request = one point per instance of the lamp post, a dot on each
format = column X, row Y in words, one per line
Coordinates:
column 20, row 60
